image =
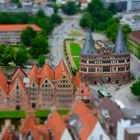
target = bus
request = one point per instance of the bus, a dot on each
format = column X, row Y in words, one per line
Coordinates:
column 103, row 93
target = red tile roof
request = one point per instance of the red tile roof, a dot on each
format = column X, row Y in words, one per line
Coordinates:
column 135, row 36
column 83, row 1
column 18, row 72
column 56, row 124
column 38, row 131
column 86, row 118
column 18, row 27
column 3, row 81
column 34, row 74
column 60, row 69
column 9, row 134
column 48, row 72
column 20, row 82
column 115, row 112
column 77, row 80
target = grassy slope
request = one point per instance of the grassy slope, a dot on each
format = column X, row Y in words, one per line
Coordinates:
column 75, row 49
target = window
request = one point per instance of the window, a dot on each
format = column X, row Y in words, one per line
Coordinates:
column 85, row 69
column 17, row 87
column 127, row 68
column 128, row 60
column 106, row 61
column 121, row 61
column 101, row 137
column 106, row 69
column 121, row 69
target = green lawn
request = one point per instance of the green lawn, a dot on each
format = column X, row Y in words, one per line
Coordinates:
column 75, row 49
column 63, row 112
column 42, row 113
column 12, row 114
column 76, row 61
column 45, row 113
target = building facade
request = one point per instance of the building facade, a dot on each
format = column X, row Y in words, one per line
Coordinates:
column 79, row 124
column 128, row 129
column 43, row 88
column 133, row 5
column 134, row 43
column 109, row 65
column 10, row 34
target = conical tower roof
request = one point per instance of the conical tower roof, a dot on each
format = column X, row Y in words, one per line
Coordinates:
column 120, row 46
column 89, row 47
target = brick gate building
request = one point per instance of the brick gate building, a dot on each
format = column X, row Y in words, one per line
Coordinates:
column 109, row 65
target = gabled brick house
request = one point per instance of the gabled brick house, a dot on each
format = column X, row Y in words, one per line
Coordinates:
column 43, row 88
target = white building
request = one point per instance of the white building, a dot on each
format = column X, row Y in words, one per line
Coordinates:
column 59, row 2
column 128, row 129
column 133, row 5
column 133, row 20
column 84, row 125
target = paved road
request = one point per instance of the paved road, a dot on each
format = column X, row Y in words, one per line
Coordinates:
column 57, row 38
column 60, row 33
column 135, row 66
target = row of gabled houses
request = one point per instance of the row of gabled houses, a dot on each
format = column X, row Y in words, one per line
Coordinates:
column 79, row 124
column 42, row 88
column 105, row 121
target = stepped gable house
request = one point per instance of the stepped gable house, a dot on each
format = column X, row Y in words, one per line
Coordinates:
column 110, row 65
column 42, row 88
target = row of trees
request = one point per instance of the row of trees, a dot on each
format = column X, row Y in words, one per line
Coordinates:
column 17, row 56
column 46, row 23
column 8, row 54
column 99, row 18
column 35, row 43
column 70, row 8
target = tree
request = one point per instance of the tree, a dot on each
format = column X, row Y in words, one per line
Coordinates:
column 96, row 17
column 41, row 13
column 112, row 29
column 27, row 35
column 45, row 24
column 39, row 45
column 126, row 30
column 135, row 88
column 41, row 59
column 87, row 21
column 19, row 5
column 95, row 7
column 70, row 8
column 113, row 7
column 55, row 8
column 56, row 19
column 6, row 54
column 21, row 56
